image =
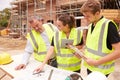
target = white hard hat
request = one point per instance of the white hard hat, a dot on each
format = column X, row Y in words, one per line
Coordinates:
column 96, row 76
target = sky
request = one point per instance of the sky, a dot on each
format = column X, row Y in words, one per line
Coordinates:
column 5, row 4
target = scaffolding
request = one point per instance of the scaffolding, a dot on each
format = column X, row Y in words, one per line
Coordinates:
column 49, row 9
column 19, row 17
column 40, row 6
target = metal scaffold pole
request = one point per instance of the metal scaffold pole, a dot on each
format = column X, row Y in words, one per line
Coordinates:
column 27, row 15
column 20, row 17
column 50, row 9
column 70, row 6
column 35, row 5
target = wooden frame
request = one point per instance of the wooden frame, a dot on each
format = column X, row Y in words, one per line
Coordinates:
column 5, row 74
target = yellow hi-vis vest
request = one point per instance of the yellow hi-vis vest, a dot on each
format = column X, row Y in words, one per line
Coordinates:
column 96, row 46
column 65, row 57
column 38, row 43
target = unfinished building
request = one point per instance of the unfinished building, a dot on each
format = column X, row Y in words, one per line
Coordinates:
column 51, row 9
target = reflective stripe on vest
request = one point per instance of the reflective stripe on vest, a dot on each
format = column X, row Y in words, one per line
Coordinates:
column 51, row 26
column 78, row 36
column 57, row 42
column 66, row 65
column 33, row 40
column 65, row 55
column 40, row 53
column 99, row 52
column 105, row 66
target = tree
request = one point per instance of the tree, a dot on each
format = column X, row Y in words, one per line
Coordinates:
column 4, row 23
column 4, row 17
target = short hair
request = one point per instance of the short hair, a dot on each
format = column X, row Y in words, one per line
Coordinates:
column 36, row 18
column 91, row 6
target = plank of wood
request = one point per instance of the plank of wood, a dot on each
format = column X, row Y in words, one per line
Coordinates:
column 5, row 73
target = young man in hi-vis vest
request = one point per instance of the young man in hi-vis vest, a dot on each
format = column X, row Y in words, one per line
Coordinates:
column 102, row 42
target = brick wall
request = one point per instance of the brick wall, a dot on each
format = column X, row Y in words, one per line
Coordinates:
column 111, row 13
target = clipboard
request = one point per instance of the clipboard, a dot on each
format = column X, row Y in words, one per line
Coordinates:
column 78, row 51
column 65, row 42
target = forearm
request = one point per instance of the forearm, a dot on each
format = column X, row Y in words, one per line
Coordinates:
column 112, row 56
column 28, row 51
column 48, row 55
column 25, row 58
column 109, row 57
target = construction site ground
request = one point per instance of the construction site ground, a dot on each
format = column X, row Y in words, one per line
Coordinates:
column 12, row 45
column 15, row 46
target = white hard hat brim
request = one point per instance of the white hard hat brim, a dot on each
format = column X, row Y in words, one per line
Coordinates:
column 96, row 76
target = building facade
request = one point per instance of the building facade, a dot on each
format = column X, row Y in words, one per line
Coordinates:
column 51, row 9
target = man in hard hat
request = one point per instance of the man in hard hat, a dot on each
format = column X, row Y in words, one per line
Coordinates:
column 102, row 42
column 38, row 42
